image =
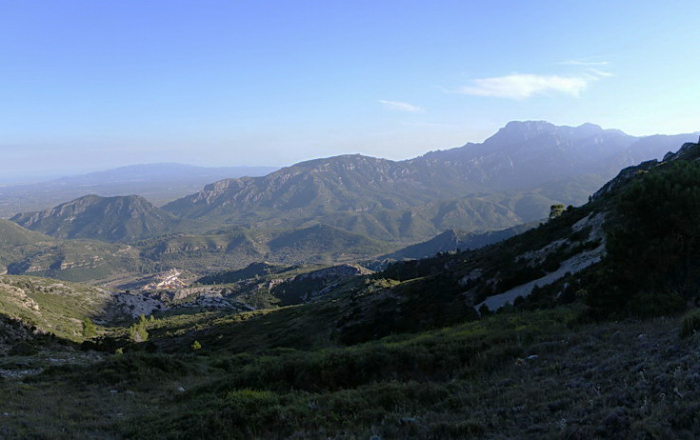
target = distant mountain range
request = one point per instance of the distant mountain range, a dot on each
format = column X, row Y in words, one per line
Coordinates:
column 354, row 207
column 159, row 183
column 511, row 178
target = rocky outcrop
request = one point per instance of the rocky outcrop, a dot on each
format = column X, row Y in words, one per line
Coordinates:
column 688, row 151
column 18, row 297
column 574, row 264
column 623, row 177
column 133, row 306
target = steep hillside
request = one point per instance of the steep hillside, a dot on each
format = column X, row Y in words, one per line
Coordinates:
column 49, row 306
column 607, row 258
column 631, row 250
column 604, row 257
column 14, row 235
column 120, row 218
column 52, row 306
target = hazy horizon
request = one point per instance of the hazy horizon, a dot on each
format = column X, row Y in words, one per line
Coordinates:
column 36, row 176
column 95, row 86
column 12, row 180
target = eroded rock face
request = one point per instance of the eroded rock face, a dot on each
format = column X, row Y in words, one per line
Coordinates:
column 574, row 264
column 17, row 296
column 126, row 304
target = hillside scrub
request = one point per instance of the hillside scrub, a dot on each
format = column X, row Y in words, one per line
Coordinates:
column 653, row 244
column 530, row 375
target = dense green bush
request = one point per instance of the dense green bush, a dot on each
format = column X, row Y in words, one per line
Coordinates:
column 137, row 332
column 89, row 328
column 690, row 323
column 135, row 368
column 653, row 247
column 556, row 210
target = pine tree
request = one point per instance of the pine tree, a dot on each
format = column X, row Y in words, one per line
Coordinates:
column 556, row 210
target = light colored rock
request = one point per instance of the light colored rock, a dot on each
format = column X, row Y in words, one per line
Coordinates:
column 573, row 265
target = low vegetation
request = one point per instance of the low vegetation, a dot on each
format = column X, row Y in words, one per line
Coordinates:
column 653, row 244
column 532, row 375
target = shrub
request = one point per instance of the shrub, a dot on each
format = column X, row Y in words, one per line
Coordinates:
column 690, row 323
column 138, row 332
column 649, row 304
column 653, row 245
column 556, row 210
column 89, row 328
column 23, row 348
column 138, row 369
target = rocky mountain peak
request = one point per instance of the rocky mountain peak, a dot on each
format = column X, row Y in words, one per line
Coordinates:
column 520, row 131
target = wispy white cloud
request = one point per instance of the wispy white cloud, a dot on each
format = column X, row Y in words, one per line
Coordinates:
column 583, row 63
column 401, row 106
column 600, row 73
column 523, row 86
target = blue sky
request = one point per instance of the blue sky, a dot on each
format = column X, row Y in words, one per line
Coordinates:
column 93, row 84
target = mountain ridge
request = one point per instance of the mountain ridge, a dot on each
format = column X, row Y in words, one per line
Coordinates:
column 399, row 203
column 530, row 158
column 118, row 218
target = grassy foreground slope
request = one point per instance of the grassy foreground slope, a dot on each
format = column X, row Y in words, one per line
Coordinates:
column 524, row 375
